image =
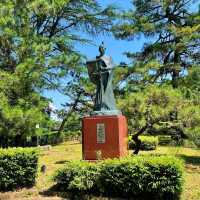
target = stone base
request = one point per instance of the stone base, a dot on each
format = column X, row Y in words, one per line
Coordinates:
column 104, row 137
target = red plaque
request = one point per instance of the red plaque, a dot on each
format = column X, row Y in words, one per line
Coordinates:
column 104, row 137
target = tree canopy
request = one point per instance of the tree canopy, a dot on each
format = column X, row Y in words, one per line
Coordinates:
column 172, row 30
column 170, row 57
column 37, row 52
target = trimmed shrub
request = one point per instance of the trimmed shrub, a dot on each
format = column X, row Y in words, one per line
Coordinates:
column 141, row 177
column 51, row 139
column 148, row 143
column 164, row 139
column 18, row 168
column 72, row 135
column 189, row 144
column 78, row 175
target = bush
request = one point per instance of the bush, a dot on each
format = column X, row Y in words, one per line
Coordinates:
column 164, row 139
column 52, row 138
column 140, row 177
column 18, row 168
column 72, row 135
column 80, row 176
column 148, row 143
column 189, row 144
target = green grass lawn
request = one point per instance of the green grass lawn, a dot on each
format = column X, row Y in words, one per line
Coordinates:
column 57, row 156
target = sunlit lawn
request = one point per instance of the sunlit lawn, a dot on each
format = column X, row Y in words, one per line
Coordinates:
column 57, row 156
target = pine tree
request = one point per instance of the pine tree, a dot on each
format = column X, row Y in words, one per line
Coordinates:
column 162, row 111
column 37, row 53
column 170, row 56
column 172, row 31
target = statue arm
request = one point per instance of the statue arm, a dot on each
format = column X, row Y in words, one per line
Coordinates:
column 106, row 68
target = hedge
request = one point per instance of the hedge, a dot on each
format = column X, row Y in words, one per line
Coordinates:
column 51, row 139
column 164, row 139
column 141, row 177
column 148, row 143
column 18, row 168
column 78, row 175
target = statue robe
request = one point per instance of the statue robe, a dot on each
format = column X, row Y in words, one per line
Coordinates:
column 105, row 100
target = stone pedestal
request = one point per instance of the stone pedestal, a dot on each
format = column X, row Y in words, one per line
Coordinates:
column 104, row 137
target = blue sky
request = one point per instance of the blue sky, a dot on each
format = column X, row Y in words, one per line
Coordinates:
column 115, row 48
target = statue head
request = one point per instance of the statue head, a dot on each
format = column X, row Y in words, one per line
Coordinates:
column 102, row 50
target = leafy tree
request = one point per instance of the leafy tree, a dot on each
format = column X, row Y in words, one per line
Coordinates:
column 79, row 92
column 21, row 109
column 37, row 53
column 170, row 56
column 173, row 39
column 191, row 84
column 161, row 110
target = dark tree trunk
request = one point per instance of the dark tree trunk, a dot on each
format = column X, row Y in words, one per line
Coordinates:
column 175, row 71
column 138, row 144
column 175, row 76
column 136, row 139
column 62, row 126
column 71, row 110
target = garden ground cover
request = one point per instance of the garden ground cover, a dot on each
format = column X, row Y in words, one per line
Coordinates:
column 58, row 155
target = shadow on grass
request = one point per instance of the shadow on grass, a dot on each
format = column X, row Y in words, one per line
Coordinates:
column 62, row 162
column 56, row 191
column 193, row 160
column 75, row 142
column 68, row 195
column 75, row 195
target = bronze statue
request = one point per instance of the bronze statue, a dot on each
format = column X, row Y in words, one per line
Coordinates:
column 102, row 50
column 101, row 74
